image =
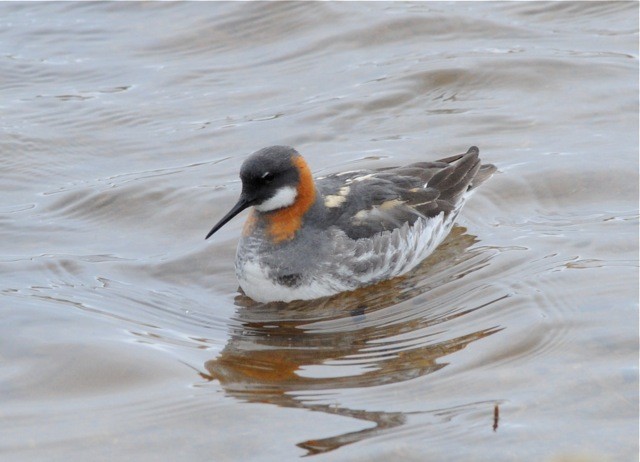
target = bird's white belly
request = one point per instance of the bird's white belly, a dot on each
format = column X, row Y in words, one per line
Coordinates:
column 382, row 257
column 255, row 283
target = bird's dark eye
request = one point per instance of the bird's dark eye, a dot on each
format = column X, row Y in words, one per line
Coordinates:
column 268, row 177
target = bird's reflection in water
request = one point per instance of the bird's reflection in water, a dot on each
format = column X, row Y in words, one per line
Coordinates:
column 282, row 353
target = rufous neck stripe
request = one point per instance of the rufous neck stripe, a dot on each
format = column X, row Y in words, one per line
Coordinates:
column 283, row 224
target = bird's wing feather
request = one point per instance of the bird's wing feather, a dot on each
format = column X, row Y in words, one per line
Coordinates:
column 365, row 203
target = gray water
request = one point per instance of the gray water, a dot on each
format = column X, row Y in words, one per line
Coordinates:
column 123, row 334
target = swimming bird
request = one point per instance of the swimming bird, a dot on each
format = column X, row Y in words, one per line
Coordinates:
column 306, row 238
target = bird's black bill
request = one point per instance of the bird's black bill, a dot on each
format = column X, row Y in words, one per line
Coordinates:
column 242, row 204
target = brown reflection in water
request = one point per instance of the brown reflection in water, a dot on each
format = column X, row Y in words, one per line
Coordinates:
column 353, row 336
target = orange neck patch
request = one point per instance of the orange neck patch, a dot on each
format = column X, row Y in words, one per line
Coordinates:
column 283, row 224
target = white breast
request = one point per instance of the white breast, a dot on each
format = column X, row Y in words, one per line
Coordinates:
column 347, row 264
column 256, row 284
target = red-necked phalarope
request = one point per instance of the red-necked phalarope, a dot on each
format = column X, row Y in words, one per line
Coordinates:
column 306, row 239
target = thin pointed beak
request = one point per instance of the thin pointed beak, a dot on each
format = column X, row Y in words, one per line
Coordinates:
column 242, row 204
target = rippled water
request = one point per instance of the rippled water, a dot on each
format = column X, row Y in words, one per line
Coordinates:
column 123, row 333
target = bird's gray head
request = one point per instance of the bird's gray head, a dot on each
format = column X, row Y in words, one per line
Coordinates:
column 270, row 179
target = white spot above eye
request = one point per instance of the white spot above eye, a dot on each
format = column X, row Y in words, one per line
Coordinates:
column 284, row 197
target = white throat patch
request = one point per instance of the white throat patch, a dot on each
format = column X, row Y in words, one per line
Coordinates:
column 284, row 197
